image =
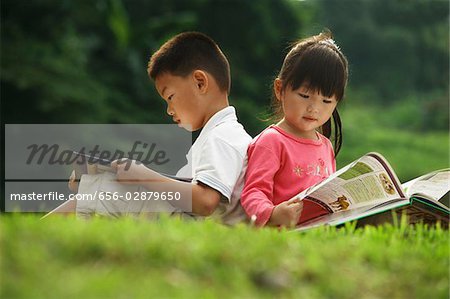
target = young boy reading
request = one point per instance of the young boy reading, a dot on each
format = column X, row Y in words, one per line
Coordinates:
column 192, row 75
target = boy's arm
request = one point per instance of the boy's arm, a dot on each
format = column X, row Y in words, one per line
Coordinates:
column 204, row 198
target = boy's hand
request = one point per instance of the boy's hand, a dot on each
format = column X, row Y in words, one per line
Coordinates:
column 129, row 172
column 286, row 213
column 72, row 184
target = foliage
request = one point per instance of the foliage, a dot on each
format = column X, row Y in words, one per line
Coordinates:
column 85, row 61
column 411, row 153
column 171, row 258
column 398, row 47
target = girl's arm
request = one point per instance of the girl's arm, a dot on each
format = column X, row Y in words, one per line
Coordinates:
column 257, row 196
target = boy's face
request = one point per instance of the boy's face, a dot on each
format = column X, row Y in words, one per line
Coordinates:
column 182, row 97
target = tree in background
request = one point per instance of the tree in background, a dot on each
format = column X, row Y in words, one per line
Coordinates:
column 399, row 55
column 85, row 61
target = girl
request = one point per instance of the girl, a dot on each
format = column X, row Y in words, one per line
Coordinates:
column 294, row 154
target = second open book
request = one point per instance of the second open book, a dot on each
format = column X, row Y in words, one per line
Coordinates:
column 369, row 191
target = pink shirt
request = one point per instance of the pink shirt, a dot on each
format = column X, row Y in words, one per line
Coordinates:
column 280, row 166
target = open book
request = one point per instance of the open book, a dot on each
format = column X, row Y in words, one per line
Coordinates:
column 86, row 164
column 369, row 191
column 100, row 192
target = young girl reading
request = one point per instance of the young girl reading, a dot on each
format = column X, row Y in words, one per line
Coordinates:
column 295, row 153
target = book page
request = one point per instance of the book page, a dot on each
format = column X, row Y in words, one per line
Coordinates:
column 85, row 164
column 353, row 214
column 431, row 186
column 102, row 194
column 367, row 181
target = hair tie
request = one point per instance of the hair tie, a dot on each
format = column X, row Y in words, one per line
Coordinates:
column 330, row 42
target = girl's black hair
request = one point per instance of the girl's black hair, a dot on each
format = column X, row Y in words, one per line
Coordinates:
column 318, row 62
column 334, row 125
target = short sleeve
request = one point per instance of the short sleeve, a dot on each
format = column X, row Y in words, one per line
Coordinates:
column 219, row 165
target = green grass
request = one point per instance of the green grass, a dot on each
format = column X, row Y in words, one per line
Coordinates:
column 126, row 258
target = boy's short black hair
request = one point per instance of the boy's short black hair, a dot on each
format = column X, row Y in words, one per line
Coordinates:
column 189, row 51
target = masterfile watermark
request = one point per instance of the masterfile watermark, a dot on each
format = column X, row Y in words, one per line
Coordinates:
column 141, row 152
column 34, row 152
column 40, row 158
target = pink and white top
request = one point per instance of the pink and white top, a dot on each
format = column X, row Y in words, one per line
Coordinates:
column 280, row 166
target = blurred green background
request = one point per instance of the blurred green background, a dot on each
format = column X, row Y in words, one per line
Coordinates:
column 67, row 61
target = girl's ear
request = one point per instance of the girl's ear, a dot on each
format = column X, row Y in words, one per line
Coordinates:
column 278, row 88
column 200, row 80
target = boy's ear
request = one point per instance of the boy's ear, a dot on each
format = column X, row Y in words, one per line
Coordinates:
column 201, row 80
column 278, row 88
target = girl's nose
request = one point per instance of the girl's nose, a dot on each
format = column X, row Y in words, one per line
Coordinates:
column 312, row 107
column 169, row 111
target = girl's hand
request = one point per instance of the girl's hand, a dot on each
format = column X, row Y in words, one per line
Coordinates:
column 286, row 213
column 129, row 172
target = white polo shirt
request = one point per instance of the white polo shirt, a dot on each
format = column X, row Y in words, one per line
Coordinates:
column 218, row 159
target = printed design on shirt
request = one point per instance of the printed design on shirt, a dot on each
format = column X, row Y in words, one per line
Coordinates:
column 298, row 170
column 316, row 168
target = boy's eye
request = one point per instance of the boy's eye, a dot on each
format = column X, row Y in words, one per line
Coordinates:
column 327, row 101
column 305, row 96
column 170, row 97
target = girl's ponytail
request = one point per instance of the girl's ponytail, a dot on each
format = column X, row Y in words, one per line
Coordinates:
column 327, row 130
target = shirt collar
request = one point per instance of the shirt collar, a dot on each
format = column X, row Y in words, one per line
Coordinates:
column 224, row 115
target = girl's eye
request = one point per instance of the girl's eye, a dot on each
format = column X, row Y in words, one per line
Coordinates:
column 305, row 96
column 327, row 101
column 170, row 97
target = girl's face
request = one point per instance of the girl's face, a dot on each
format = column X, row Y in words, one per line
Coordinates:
column 305, row 110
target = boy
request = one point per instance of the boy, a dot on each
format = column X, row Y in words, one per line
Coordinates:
column 192, row 75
